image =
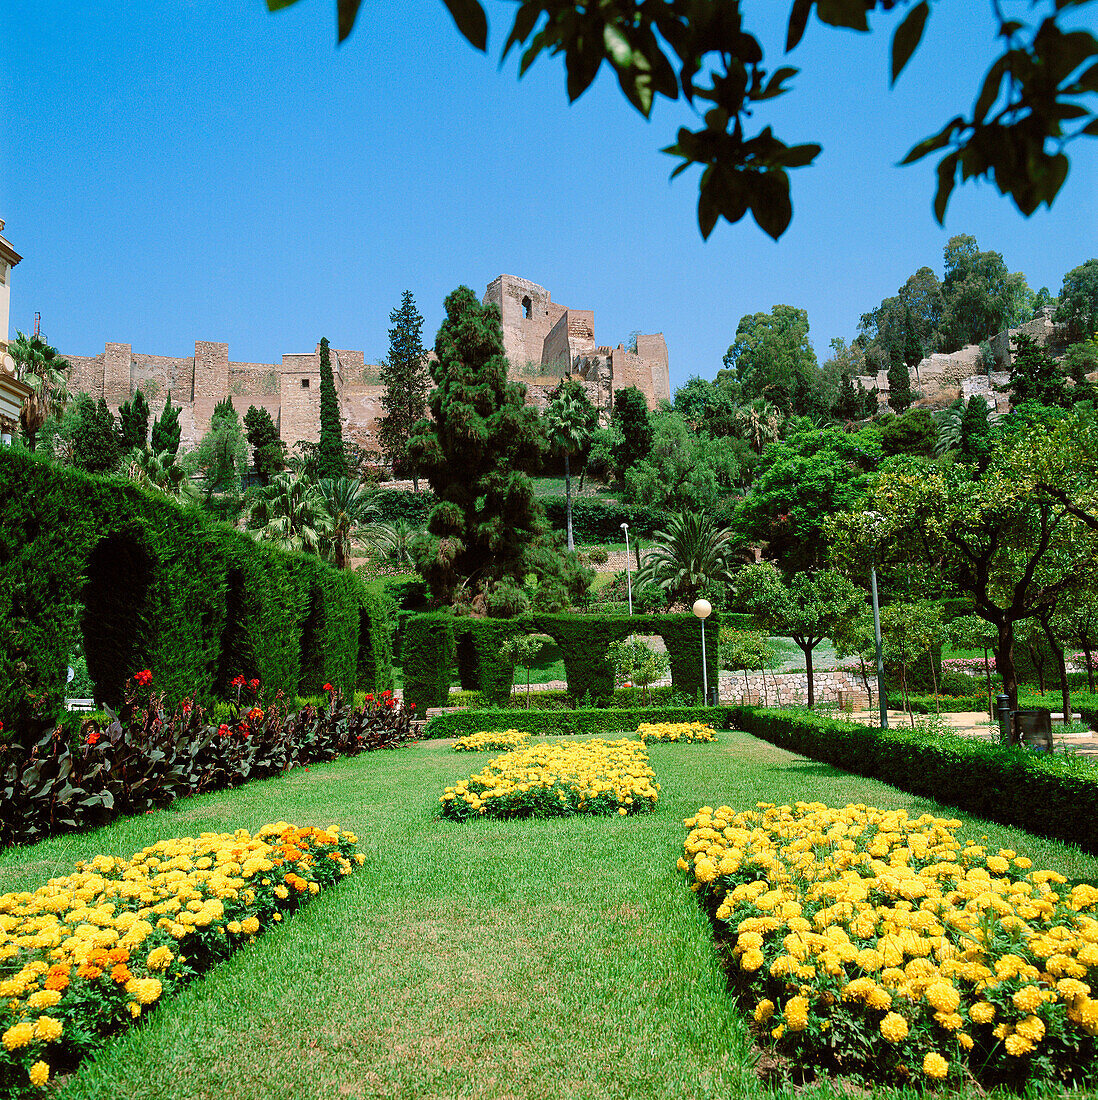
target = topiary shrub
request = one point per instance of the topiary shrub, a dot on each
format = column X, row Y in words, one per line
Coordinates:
column 428, row 653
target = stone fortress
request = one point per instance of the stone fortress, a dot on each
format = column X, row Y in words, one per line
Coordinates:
column 543, row 340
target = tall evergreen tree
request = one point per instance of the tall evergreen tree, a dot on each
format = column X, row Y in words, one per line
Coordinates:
column 330, row 459
column 899, row 385
column 133, row 422
column 95, row 442
column 268, row 450
column 165, row 432
column 630, row 417
column 476, row 450
column 406, row 380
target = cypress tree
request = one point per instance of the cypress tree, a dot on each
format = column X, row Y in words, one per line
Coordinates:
column 133, row 422
column 630, row 417
column 95, row 442
column 899, row 384
column 268, row 450
column 330, row 460
column 165, row 432
column 476, row 450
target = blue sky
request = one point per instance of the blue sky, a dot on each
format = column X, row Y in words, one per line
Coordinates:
column 205, row 170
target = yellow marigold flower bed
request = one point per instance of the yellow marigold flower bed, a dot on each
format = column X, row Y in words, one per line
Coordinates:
column 492, row 741
column 558, row 780
column 84, row 955
column 888, row 946
column 675, row 731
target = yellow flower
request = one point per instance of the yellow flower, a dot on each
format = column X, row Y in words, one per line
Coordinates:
column 250, row 925
column 18, row 1035
column 763, row 1011
column 48, row 1030
column 934, row 1065
column 796, row 1013
column 894, row 1027
column 281, row 891
column 942, row 996
column 982, row 1012
column 1027, row 999
column 1017, row 1045
column 43, row 998
column 39, row 1074
column 160, row 958
column 1031, row 1028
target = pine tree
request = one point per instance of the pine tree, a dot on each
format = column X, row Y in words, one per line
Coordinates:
column 406, row 380
column 330, row 460
column 475, row 451
column 976, row 430
column 165, row 432
column 268, row 450
column 133, row 422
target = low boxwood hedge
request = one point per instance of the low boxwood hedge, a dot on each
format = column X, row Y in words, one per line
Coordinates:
column 571, row 723
column 1047, row 795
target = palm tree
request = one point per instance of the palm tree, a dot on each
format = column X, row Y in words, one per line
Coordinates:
column 290, row 513
column 41, row 368
column 567, row 425
column 759, row 423
column 396, row 541
column 159, row 470
column 949, row 428
column 350, row 504
column 692, row 554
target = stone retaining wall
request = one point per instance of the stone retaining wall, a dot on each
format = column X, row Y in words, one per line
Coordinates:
column 838, row 687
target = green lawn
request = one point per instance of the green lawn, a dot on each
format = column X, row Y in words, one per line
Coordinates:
column 557, row 959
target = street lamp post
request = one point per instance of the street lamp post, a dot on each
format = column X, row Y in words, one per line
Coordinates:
column 628, row 575
column 703, row 609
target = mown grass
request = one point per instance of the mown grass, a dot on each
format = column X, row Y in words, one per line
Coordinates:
column 552, row 959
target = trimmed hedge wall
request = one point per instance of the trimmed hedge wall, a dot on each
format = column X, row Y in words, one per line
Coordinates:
column 571, row 722
column 1014, row 786
column 598, row 521
column 428, row 650
column 153, row 585
column 584, row 641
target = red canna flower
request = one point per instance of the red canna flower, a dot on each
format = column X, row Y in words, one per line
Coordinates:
column 253, row 684
column 328, row 687
column 223, row 730
column 144, row 677
column 94, row 736
column 237, row 681
column 369, row 697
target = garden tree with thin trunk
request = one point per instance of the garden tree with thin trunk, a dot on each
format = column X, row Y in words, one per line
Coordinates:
column 350, row 504
column 636, row 663
column 524, row 650
column 806, row 608
column 1034, row 100
column 95, row 439
column 476, row 450
column 972, row 632
column 803, row 479
column 912, row 628
column 741, row 650
column 569, row 419
column 1077, row 308
column 290, row 513
column 856, row 637
column 40, row 367
column 330, row 461
column 1011, row 548
column 691, row 557
column 979, row 296
column 222, row 453
column 165, row 431
column 773, row 359
column 630, row 419
column 133, row 422
column 1077, row 622
column 268, row 450
column 404, row 375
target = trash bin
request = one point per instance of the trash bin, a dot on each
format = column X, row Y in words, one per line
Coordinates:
column 1033, row 729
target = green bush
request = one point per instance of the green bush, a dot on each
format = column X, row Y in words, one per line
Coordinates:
column 151, row 584
column 571, row 723
column 427, row 655
column 1039, row 792
column 396, row 504
column 599, row 521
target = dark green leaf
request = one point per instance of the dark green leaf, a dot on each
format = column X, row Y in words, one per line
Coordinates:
column 526, row 19
column 907, row 37
column 798, row 20
column 707, row 210
column 843, row 13
column 947, row 171
column 469, row 17
column 1091, row 129
column 774, row 84
column 346, row 11
column 932, row 144
column 798, row 156
column 278, row 5
column 990, row 91
column 771, row 206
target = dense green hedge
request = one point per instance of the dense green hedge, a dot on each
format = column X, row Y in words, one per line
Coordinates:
column 427, row 653
column 600, row 521
column 399, row 504
column 1041, row 793
column 571, row 722
column 584, row 641
column 153, row 585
